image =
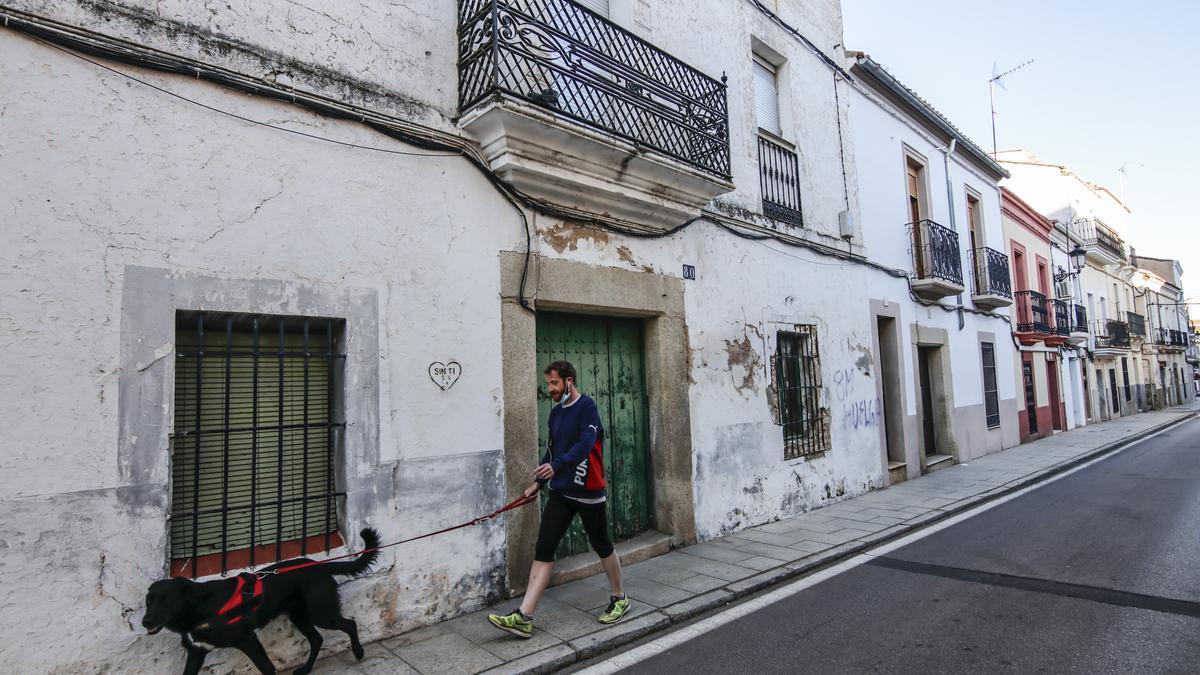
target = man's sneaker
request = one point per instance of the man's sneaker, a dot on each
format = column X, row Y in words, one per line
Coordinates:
column 514, row 623
column 617, row 609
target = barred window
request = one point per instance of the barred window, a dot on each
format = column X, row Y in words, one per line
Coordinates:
column 798, row 372
column 252, row 451
column 991, row 394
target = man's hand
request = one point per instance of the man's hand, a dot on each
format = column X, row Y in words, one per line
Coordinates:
column 532, row 490
column 544, row 472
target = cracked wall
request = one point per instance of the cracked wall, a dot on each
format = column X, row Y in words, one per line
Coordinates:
column 130, row 204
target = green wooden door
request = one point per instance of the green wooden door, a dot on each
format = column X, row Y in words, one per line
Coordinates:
column 608, row 357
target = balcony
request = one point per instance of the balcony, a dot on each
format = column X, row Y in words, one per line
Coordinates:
column 1170, row 340
column 992, row 285
column 779, row 180
column 1079, row 327
column 574, row 110
column 937, row 262
column 1137, row 324
column 1060, row 326
column 1033, row 316
column 1100, row 240
column 1112, row 337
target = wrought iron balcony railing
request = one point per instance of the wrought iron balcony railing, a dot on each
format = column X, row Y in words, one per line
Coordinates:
column 1107, row 238
column 1081, row 324
column 1137, row 324
column 1170, row 338
column 566, row 59
column 1033, row 316
column 779, row 178
column 991, row 272
column 1062, row 317
column 1112, row 334
column 936, row 253
column 1098, row 235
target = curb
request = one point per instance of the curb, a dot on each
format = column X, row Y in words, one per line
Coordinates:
column 563, row 655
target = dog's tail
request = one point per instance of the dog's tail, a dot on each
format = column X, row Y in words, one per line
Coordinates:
column 363, row 562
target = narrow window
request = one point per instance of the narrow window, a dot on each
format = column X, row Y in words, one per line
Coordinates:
column 252, row 451
column 914, row 183
column 778, row 161
column 975, row 221
column 766, row 96
column 991, row 394
column 598, row 6
column 1125, row 377
column 798, row 373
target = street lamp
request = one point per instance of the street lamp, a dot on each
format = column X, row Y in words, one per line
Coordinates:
column 1077, row 255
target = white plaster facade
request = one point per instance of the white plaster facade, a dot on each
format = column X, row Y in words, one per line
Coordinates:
column 888, row 131
column 124, row 204
column 1116, row 379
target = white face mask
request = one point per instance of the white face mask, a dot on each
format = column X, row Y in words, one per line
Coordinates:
column 566, row 396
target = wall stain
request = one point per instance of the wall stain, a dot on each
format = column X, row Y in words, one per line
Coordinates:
column 756, row 488
column 567, row 235
column 626, row 255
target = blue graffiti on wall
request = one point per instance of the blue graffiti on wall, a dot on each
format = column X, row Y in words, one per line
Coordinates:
column 856, row 414
column 862, row 414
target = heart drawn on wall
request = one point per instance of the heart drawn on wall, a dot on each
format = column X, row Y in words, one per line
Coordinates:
column 445, row 375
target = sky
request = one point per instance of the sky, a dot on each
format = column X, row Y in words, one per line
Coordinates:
column 1112, row 84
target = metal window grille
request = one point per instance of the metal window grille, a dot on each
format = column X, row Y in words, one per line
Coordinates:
column 779, row 179
column 991, row 393
column 252, row 452
column 798, row 369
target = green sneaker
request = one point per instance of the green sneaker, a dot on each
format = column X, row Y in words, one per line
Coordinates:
column 617, row 609
column 513, row 622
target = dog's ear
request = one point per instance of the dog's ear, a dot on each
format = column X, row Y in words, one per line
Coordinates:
column 186, row 588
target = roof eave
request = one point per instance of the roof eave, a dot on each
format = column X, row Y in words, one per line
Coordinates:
column 884, row 78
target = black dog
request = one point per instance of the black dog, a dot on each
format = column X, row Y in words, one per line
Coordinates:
column 226, row 612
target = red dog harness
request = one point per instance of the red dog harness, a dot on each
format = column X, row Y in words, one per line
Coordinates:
column 247, row 596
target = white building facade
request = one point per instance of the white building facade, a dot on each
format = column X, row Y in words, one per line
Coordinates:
column 930, row 206
column 253, row 324
column 1126, row 364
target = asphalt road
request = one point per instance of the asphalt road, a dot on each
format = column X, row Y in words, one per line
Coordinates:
column 1098, row 572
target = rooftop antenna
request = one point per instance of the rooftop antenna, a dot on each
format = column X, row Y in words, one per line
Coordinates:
column 998, row 80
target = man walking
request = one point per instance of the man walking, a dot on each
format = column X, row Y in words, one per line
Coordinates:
column 574, row 469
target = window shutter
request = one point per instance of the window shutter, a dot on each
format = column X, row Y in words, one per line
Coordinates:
column 254, row 476
column 766, row 97
column 598, row 6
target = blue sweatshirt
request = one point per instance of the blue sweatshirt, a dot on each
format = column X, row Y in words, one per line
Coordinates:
column 575, row 449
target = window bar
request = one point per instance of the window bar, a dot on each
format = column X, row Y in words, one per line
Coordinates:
column 196, row 445
column 304, row 480
column 810, row 393
column 225, row 450
column 253, row 445
column 279, row 466
column 329, row 500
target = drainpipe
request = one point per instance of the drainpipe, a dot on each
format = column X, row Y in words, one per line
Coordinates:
column 946, row 152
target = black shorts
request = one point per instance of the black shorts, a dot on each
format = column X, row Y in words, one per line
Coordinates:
column 557, row 517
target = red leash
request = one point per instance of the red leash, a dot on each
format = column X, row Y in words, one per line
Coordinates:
column 514, row 504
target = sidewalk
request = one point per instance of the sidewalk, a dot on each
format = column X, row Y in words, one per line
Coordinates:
column 697, row 578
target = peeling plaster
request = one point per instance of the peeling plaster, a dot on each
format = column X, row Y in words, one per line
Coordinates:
column 565, row 236
column 742, row 354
